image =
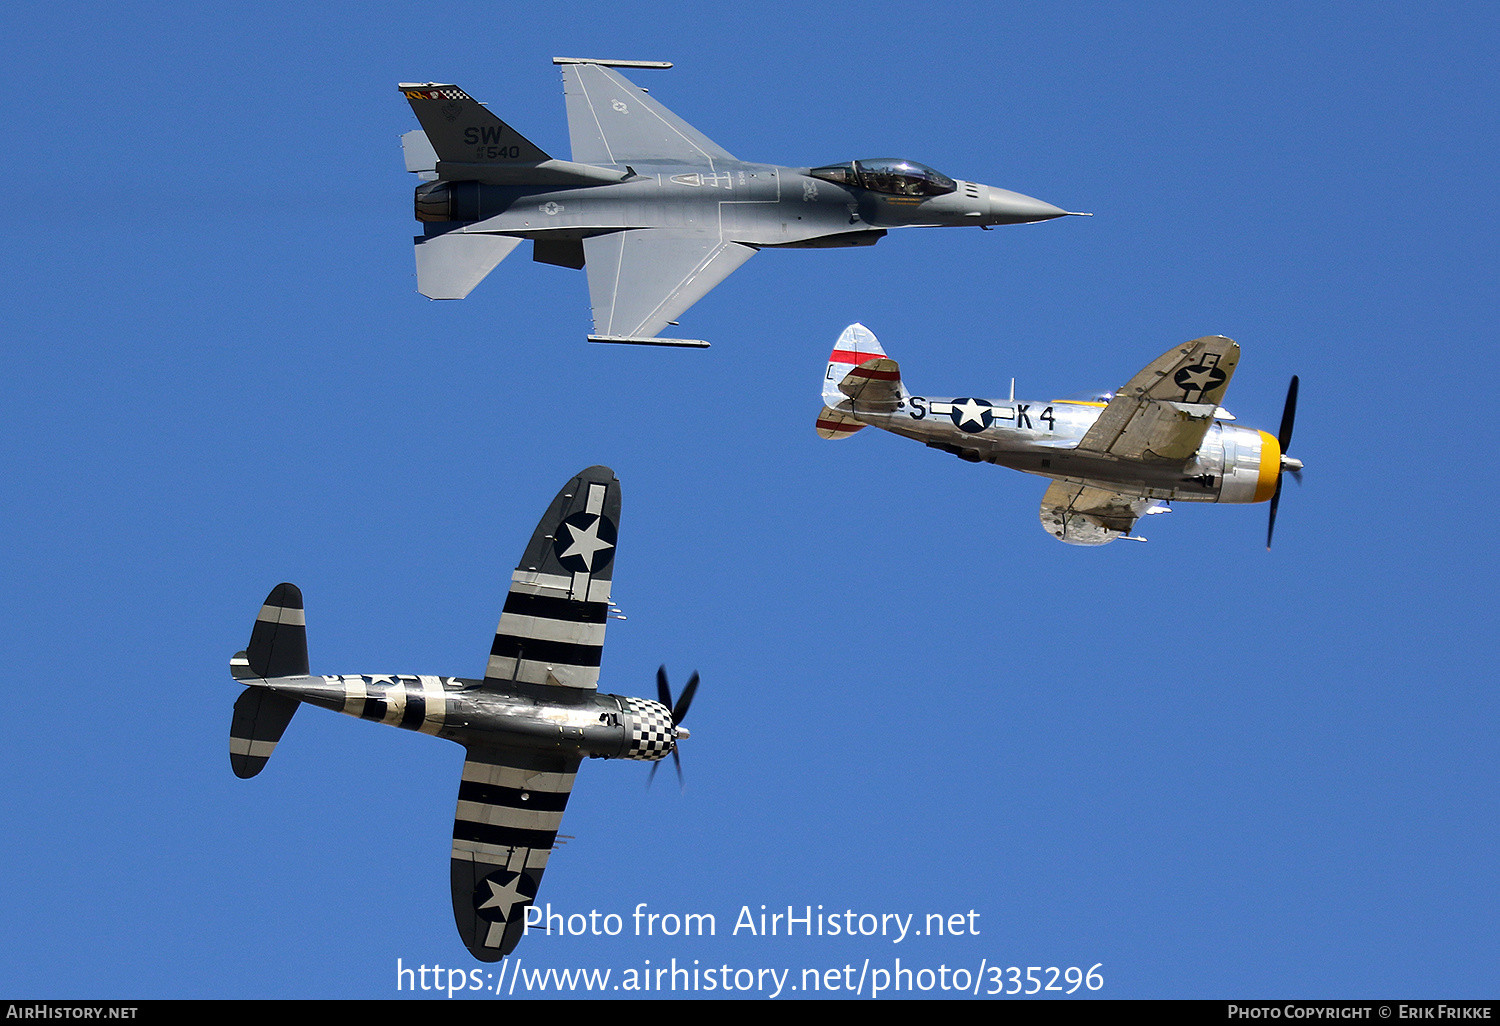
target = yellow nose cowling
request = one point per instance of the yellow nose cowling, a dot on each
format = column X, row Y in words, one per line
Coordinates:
column 1270, row 467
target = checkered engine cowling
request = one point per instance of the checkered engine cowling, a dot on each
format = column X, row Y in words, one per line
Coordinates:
column 650, row 725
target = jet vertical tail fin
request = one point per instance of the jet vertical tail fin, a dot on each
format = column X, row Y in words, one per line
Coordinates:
column 462, row 130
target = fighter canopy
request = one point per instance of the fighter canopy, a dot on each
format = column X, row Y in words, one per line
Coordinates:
column 890, row 175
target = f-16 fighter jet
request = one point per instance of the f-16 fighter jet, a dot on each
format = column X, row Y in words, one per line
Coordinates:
column 526, row 726
column 1113, row 458
column 656, row 212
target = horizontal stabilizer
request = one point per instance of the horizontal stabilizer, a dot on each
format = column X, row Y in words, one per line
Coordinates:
column 421, row 158
column 874, row 384
column 836, row 424
column 260, row 718
column 451, row 264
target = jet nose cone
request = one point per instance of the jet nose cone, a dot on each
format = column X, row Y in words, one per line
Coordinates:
column 1008, row 207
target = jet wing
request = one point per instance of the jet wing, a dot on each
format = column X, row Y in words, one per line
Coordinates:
column 552, row 629
column 1083, row 515
column 1164, row 411
column 642, row 279
column 611, row 121
column 510, row 804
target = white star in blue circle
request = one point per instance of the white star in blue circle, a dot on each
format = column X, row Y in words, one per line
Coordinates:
column 972, row 415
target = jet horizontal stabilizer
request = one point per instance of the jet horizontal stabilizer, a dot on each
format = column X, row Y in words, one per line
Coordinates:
column 450, row 265
column 421, row 159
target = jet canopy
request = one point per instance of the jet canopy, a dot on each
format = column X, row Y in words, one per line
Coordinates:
column 889, row 175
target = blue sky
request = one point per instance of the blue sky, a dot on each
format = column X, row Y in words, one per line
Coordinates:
column 1210, row 770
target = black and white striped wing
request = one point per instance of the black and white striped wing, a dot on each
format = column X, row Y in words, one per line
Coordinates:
column 552, row 629
column 510, row 805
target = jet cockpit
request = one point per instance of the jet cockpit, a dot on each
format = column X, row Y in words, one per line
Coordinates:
column 890, row 175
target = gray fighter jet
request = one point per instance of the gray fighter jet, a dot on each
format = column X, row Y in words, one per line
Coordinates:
column 1113, row 457
column 657, row 212
column 526, row 726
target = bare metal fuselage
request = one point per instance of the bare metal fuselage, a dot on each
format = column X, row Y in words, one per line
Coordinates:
column 1234, row 464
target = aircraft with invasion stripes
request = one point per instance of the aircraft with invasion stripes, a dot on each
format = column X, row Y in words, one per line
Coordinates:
column 526, row 726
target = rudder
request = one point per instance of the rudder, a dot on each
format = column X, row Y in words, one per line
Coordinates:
column 859, row 370
column 278, row 642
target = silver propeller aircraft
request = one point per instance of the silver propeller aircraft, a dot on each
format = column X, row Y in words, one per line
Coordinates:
column 1112, row 458
column 525, row 727
column 656, row 212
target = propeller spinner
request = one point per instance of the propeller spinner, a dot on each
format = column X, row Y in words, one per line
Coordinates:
column 664, row 695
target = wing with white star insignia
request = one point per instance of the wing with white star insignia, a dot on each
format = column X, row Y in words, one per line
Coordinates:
column 551, row 633
column 1164, row 411
column 1082, row 515
column 510, row 804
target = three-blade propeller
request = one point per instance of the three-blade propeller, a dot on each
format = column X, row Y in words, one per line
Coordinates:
column 1284, row 438
column 664, row 696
